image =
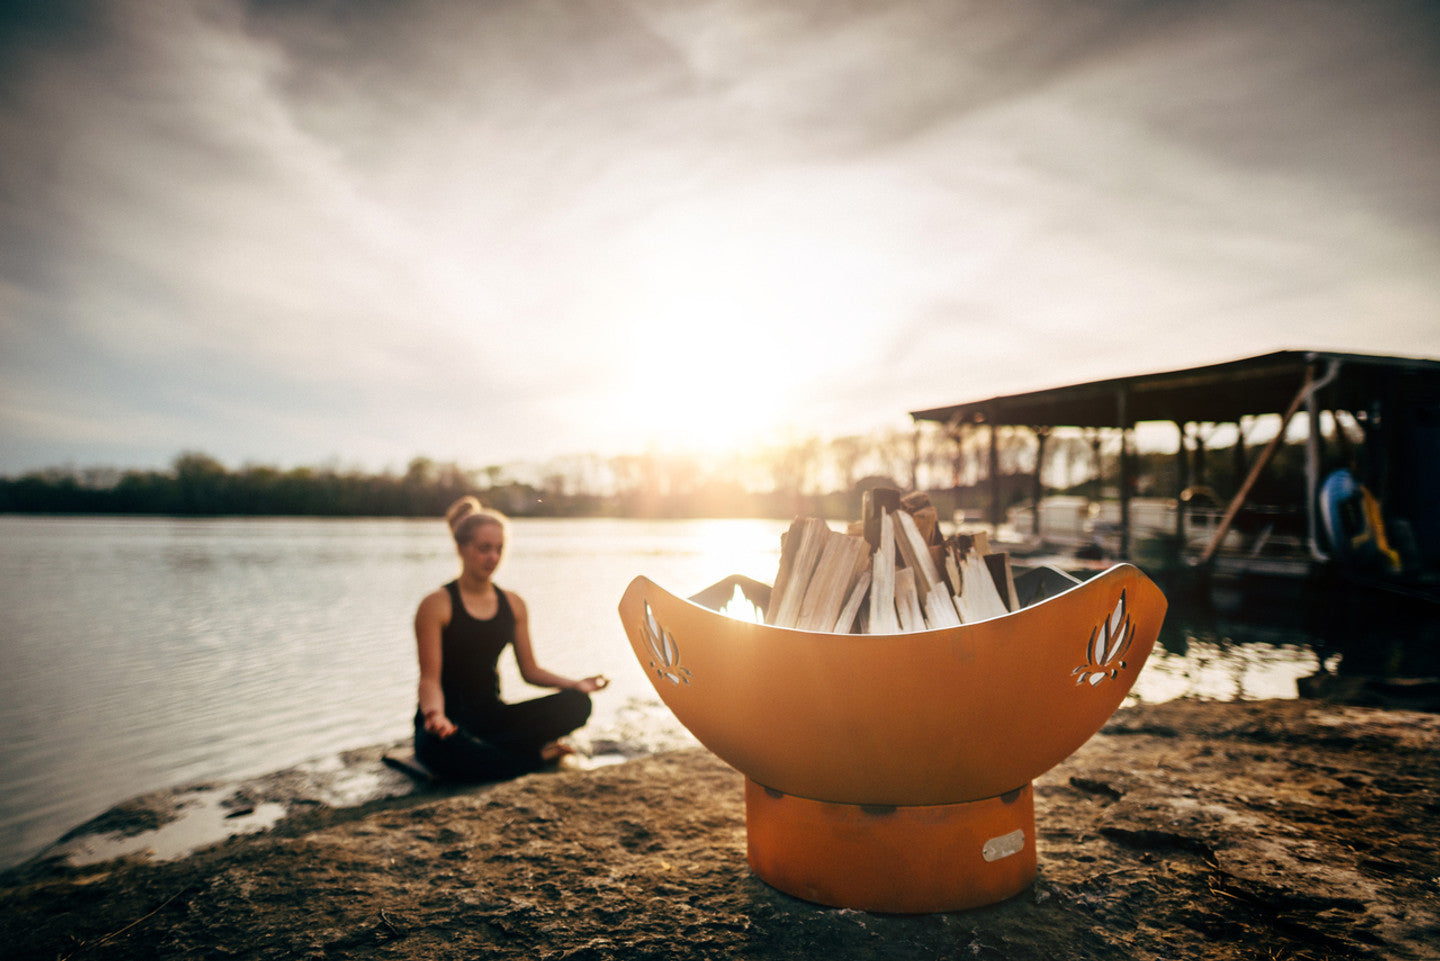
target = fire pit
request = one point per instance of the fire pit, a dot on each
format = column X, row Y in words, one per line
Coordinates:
column 892, row 772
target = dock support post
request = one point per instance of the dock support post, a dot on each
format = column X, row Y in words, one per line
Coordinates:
column 997, row 500
column 1127, row 470
column 1182, row 484
column 1260, row 464
column 1037, row 489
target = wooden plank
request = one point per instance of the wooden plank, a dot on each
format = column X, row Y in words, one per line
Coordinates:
column 915, row 501
column 918, row 505
column 999, row 567
column 883, row 619
column 812, row 536
column 840, row 562
column 982, row 600
column 940, row 608
column 789, row 544
column 952, row 572
column 915, row 552
column 875, row 504
column 907, row 601
column 845, row 622
column 928, row 520
column 966, row 601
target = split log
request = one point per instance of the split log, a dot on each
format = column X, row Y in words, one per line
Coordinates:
column 883, row 619
column 876, row 503
column 1004, row 577
column 804, row 546
column 841, row 561
column 917, row 504
column 952, row 576
column 845, row 623
column 940, row 610
column 915, row 579
column 915, row 552
column 789, row 545
column 978, row 598
column 907, row 601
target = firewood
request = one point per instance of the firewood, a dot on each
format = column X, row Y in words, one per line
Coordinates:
column 883, row 619
column 978, row 598
column 940, row 608
column 907, row 601
column 849, row 614
column 999, row 566
column 928, row 520
column 915, row 501
column 806, row 545
column 952, row 576
column 789, row 546
column 892, row 571
column 840, row 562
column 915, row 552
column 875, row 504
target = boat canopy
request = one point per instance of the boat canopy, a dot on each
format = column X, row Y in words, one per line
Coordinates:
column 1396, row 400
column 1216, row 393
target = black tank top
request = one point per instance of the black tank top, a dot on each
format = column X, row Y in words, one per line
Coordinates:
column 469, row 650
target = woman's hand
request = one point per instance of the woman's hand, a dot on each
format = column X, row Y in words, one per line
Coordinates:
column 438, row 724
column 595, row 682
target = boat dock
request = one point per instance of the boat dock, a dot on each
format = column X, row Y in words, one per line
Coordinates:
column 1363, row 511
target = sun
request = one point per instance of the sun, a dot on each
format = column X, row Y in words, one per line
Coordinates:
column 729, row 329
column 693, row 391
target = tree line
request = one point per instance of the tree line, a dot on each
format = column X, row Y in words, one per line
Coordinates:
column 808, row 476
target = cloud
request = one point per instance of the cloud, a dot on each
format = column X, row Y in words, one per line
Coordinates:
column 293, row 232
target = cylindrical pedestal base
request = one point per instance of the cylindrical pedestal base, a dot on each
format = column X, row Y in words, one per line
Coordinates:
column 901, row 860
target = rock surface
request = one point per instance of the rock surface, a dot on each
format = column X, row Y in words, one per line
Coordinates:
column 1279, row 829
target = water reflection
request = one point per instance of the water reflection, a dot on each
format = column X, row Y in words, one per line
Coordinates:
column 143, row 654
column 1258, row 640
column 1195, row 657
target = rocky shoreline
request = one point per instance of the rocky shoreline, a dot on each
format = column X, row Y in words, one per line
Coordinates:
column 1276, row 829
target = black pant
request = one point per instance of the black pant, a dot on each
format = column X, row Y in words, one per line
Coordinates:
column 503, row 743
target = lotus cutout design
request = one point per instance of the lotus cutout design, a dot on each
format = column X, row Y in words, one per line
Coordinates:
column 1107, row 646
column 665, row 652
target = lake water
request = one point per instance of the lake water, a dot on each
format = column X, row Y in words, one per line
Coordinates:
column 144, row 653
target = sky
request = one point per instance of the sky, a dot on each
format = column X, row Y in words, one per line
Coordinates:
column 360, row 231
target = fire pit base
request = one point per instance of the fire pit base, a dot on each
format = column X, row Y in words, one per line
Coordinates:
column 893, row 859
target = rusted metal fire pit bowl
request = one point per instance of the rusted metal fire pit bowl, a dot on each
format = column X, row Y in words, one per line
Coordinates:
column 892, row 772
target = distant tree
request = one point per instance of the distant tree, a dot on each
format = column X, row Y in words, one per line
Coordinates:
column 201, row 484
column 494, row 475
column 847, row 454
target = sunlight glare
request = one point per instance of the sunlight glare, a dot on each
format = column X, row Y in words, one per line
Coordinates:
column 733, row 323
column 751, row 548
column 740, row 608
column 700, row 387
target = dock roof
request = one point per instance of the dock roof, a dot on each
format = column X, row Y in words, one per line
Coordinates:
column 1215, row 393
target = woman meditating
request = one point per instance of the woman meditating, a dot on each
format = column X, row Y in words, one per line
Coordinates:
column 463, row 731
